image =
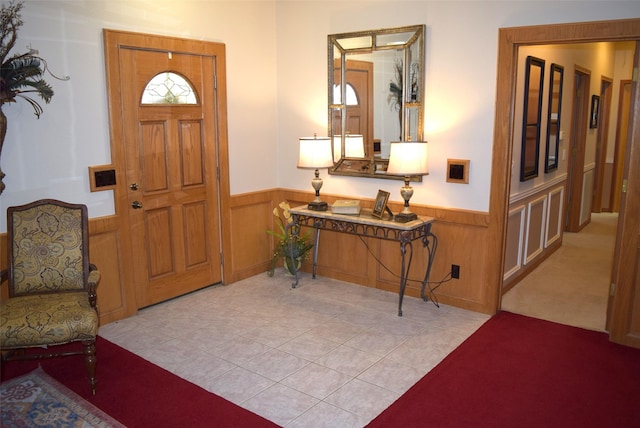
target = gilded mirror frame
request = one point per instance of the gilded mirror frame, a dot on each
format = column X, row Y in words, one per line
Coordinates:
column 403, row 95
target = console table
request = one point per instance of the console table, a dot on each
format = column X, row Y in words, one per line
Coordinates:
column 366, row 225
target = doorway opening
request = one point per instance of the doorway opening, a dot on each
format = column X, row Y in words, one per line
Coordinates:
column 510, row 41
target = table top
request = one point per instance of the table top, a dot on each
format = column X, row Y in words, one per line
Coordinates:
column 364, row 217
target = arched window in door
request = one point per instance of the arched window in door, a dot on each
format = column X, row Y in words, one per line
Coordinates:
column 168, row 88
column 352, row 96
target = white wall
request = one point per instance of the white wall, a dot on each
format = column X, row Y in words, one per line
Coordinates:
column 461, row 56
column 597, row 58
column 49, row 157
column 276, row 81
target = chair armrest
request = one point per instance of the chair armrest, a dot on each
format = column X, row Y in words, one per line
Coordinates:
column 92, row 284
column 94, row 276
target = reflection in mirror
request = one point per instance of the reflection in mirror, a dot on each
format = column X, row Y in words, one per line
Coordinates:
column 382, row 74
column 533, row 85
column 553, row 118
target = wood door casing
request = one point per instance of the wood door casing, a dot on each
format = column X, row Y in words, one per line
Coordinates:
column 624, row 105
column 623, row 315
column 626, row 261
column 174, row 154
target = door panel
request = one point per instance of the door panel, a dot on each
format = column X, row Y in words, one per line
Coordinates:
column 172, row 158
column 359, row 120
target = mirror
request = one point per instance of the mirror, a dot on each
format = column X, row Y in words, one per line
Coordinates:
column 381, row 73
column 553, row 117
column 533, row 85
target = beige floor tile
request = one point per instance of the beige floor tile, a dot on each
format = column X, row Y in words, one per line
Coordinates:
column 348, row 360
column 275, row 364
column 309, row 346
column 239, row 385
column 324, row 415
column 280, row 404
column 392, row 375
column 334, row 354
column 362, row 398
column 316, row 380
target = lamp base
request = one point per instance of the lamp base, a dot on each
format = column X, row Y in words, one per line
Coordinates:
column 404, row 217
column 318, row 206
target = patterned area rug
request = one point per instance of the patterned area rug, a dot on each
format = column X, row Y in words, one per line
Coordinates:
column 37, row 400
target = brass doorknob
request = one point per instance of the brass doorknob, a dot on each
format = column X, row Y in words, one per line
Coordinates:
column 133, row 186
column 136, row 205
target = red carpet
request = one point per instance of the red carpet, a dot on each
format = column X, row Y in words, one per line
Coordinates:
column 140, row 394
column 517, row 371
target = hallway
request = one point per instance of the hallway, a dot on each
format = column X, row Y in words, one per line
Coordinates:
column 572, row 285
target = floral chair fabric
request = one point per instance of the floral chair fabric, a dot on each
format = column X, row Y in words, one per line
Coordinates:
column 52, row 285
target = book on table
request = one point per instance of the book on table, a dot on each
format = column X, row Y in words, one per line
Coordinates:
column 346, row 206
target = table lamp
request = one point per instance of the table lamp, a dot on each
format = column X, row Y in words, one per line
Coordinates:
column 315, row 153
column 407, row 158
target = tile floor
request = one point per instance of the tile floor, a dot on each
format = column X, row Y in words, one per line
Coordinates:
column 326, row 354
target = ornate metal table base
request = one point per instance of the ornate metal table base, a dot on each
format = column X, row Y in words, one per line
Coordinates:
column 368, row 226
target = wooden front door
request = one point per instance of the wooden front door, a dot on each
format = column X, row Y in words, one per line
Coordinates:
column 359, row 120
column 171, row 166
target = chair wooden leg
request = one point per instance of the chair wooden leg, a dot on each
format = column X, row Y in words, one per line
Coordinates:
column 90, row 362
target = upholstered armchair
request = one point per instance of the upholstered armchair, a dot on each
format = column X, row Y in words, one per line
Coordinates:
column 52, row 285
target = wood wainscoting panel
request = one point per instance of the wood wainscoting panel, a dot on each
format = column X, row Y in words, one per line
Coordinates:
column 343, row 256
column 461, row 237
column 514, row 244
column 536, row 222
column 534, row 232
column 459, row 244
column 116, row 300
column 554, row 216
column 251, row 247
column 587, row 195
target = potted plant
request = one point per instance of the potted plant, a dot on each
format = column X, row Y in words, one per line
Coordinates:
column 290, row 242
column 20, row 74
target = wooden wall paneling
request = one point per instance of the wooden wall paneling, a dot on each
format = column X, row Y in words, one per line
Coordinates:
column 587, row 195
column 514, row 244
column 536, row 225
column 344, row 257
column 251, row 248
column 460, row 244
column 554, row 216
column 116, row 299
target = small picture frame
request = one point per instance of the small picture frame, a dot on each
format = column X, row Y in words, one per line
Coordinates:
column 595, row 110
column 381, row 204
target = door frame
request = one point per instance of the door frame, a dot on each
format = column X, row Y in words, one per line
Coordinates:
column 113, row 40
column 620, row 147
column 606, row 86
column 577, row 149
column 509, row 40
